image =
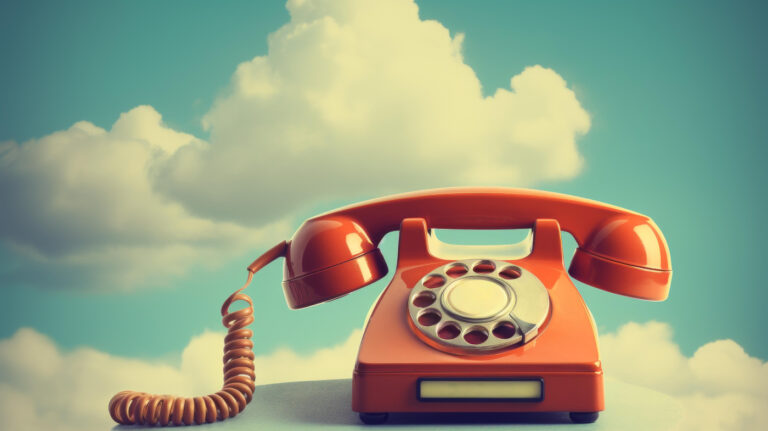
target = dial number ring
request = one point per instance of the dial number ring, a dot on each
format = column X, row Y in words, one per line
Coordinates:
column 483, row 304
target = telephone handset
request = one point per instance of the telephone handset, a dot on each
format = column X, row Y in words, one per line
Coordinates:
column 474, row 334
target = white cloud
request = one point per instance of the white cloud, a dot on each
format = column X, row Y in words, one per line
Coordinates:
column 720, row 387
column 82, row 198
column 354, row 99
column 43, row 387
column 646, row 354
column 202, row 357
column 361, row 98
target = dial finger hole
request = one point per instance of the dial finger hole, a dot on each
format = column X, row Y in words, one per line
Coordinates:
column 457, row 270
column 510, row 272
column 424, row 299
column 504, row 330
column 476, row 335
column 448, row 331
column 429, row 317
column 433, row 281
column 484, row 267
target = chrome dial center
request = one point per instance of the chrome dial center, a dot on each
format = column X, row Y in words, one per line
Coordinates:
column 476, row 298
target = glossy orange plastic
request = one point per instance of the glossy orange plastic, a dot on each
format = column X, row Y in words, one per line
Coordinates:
column 619, row 250
column 336, row 253
column 564, row 356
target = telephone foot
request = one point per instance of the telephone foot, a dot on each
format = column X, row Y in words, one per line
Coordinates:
column 373, row 418
column 584, row 417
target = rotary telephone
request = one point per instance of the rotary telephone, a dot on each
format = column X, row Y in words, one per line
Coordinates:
column 464, row 332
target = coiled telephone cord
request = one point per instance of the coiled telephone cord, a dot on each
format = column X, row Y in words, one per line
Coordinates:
column 129, row 407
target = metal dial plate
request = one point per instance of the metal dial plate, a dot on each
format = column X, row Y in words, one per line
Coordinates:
column 479, row 305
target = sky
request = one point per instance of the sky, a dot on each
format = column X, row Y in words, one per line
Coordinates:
column 149, row 151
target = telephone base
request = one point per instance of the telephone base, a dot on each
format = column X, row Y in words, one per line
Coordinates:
column 576, row 417
column 561, row 391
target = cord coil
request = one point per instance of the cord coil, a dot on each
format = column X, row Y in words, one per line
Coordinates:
column 130, row 407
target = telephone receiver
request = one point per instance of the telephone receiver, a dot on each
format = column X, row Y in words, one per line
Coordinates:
column 335, row 253
column 473, row 334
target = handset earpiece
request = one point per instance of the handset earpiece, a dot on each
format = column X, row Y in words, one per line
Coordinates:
column 625, row 254
column 329, row 257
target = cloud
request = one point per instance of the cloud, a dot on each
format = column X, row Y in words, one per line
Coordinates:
column 720, row 387
column 716, row 367
column 354, row 99
column 202, row 357
column 82, row 198
column 43, row 387
column 362, row 98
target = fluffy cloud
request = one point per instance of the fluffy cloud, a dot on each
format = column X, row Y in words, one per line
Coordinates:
column 42, row 387
column 721, row 388
column 354, row 99
column 361, row 98
column 718, row 367
column 82, row 198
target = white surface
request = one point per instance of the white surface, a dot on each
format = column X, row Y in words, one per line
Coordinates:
column 325, row 405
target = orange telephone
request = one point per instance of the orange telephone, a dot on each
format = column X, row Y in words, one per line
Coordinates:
column 459, row 333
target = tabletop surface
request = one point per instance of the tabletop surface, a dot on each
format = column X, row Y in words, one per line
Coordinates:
column 325, row 404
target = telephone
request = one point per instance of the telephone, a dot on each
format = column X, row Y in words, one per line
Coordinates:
column 463, row 332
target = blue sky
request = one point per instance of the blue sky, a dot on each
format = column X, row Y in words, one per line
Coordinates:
column 675, row 95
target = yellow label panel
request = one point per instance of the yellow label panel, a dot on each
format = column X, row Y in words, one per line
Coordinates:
column 481, row 389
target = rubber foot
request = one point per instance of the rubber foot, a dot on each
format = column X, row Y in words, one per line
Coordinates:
column 584, row 417
column 373, row 418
